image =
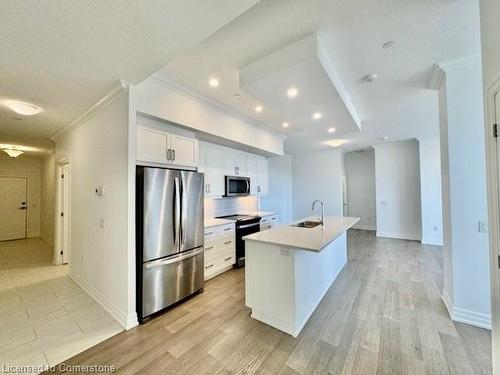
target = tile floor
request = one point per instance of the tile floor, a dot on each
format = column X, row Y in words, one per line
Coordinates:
column 45, row 317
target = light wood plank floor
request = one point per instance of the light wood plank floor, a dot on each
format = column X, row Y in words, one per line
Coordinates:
column 383, row 315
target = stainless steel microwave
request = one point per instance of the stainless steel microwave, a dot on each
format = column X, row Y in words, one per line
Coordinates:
column 237, row 186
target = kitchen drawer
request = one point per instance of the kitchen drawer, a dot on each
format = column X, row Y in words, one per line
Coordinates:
column 212, row 233
column 219, row 263
column 217, row 248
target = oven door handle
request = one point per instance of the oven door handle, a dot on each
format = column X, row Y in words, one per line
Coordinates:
column 248, row 225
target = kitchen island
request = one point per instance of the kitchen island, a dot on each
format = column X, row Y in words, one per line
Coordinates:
column 288, row 270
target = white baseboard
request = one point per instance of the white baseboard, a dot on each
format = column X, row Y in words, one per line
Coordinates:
column 466, row 316
column 400, row 236
column 126, row 321
column 432, row 241
column 364, row 227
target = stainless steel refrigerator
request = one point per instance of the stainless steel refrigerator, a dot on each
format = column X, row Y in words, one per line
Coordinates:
column 169, row 237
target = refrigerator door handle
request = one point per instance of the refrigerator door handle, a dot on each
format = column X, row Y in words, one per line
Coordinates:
column 177, row 211
column 178, row 258
column 183, row 213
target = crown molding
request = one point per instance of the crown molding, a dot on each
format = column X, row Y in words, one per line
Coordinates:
column 436, row 78
column 106, row 100
column 213, row 104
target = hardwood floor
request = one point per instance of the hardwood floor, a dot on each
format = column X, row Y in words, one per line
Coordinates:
column 383, row 315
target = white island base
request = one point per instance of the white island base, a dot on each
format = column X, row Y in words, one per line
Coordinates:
column 284, row 285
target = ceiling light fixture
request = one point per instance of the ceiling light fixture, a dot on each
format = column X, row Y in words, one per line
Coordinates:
column 13, row 153
column 286, row 124
column 331, row 130
column 213, row 82
column 258, row 108
column 317, row 115
column 336, row 142
column 292, row 92
column 388, row 44
column 23, row 108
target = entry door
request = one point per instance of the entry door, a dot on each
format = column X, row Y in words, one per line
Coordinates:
column 12, row 208
column 64, row 212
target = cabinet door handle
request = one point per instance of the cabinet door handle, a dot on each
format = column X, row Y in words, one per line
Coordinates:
column 227, row 242
column 173, row 154
column 169, row 154
column 209, row 188
column 225, row 230
column 226, row 259
column 210, row 266
column 209, row 248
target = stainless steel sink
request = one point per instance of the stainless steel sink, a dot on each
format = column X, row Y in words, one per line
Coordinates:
column 308, row 224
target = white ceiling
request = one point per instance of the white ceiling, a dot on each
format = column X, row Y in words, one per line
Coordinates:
column 64, row 55
column 352, row 32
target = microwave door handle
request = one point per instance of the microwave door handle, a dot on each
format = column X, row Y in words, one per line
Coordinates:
column 248, row 185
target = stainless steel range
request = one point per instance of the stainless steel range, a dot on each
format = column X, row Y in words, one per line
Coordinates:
column 245, row 225
column 169, row 238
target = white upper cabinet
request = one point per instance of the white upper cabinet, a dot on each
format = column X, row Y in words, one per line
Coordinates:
column 211, row 163
column 158, row 146
column 152, row 145
column 234, row 163
column 262, row 176
column 252, row 173
column 184, row 150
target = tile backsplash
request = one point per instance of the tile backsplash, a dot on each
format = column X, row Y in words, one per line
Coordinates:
column 228, row 206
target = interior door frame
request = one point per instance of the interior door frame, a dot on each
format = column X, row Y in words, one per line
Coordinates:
column 58, row 259
column 493, row 189
column 27, row 182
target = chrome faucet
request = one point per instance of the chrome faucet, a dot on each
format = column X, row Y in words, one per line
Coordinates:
column 322, row 221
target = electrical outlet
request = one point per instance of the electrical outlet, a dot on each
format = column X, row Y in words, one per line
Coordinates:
column 383, row 203
column 434, row 228
column 483, row 226
column 99, row 191
column 285, row 252
column 101, row 223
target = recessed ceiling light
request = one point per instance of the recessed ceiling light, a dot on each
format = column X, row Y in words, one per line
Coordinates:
column 236, row 95
column 23, row 108
column 317, row 115
column 292, row 92
column 331, row 130
column 213, row 82
column 336, row 142
column 286, row 124
column 388, row 44
column 258, row 108
column 370, row 77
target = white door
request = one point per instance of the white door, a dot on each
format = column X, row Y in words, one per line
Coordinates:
column 64, row 212
column 214, row 175
column 184, row 150
column 13, row 207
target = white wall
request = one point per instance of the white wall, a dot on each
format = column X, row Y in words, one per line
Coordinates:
column 397, row 181
column 98, row 154
column 490, row 40
column 430, row 191
column 47, row 211
column 30, row 167
column 317, row 175
column 279, row 198
column 360, row 175
column 229, row 206
column 158, row 98
column 469, row 298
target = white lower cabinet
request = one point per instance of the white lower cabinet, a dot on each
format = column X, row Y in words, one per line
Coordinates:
column 220, row 250
column 267, row 222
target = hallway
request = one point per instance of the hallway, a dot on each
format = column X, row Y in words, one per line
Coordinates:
column 45, row 317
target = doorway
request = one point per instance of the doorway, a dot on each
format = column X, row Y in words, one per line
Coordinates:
column 63, row 214
column 13, row 207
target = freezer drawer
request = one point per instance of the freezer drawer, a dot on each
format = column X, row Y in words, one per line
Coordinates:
column 167, row 281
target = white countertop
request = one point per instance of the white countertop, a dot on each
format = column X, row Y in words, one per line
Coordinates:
column 213, row 222
column 313, row 239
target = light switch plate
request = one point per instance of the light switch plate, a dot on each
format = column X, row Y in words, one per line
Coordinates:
column 483, row 226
